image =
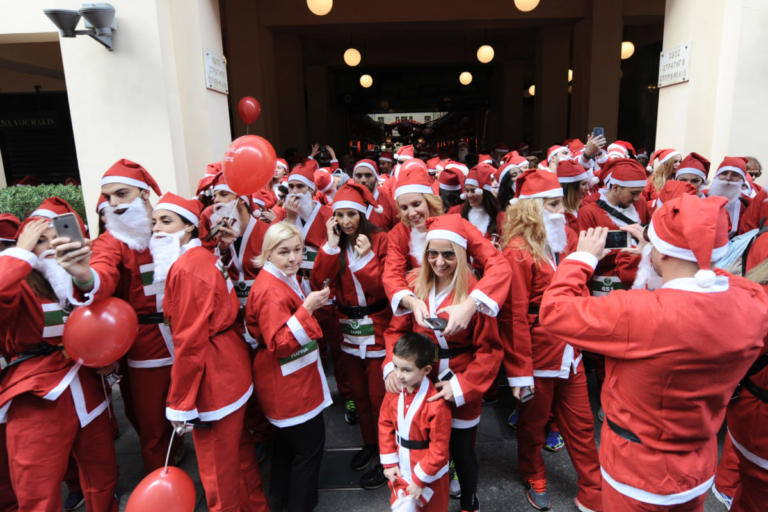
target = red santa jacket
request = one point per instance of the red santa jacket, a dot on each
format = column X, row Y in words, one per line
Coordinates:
column 128, row 274
column 358, row 286
column 528, row 349
column 408, row 416
column 211, row 376
column 28, row 321
column 662, row 348
column 238, row 258
column 387, row 219
column 477, row 358
column 491, row 290
column 287, row 370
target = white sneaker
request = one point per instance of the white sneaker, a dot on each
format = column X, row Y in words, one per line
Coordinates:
column 722, row 498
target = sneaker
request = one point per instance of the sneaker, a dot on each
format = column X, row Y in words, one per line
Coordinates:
column 554, row 442
column 374, row 478
column 722, row 498
column 537, row 494
column 581, row 507
column 350, row 412
column 454, row 487
column 512, row 419
column 74, row 501
column 361, row 459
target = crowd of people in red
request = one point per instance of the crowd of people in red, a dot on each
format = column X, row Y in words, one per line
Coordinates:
column 422, row 281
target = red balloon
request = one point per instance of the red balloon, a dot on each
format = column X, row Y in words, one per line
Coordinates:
column 249, row 164
column 100, row 334
column 249, row 109
column 163, row 490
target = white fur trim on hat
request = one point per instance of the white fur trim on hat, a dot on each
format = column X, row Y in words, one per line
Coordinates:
column 573, row 179
column 42, row 212
column 303, row 179
column 413, row 189
column 472, row 181
column 443, row 186
column 224, row 187
column 678, row 252
column 281, row 164
column 444, row 234
column 546, row 194
column 670, row 155
column 349, row 204
column 179, row 210
column 384, row 159
column 629, row 184
column 369, row 166
column 690, row 170
column 731, row 168
column 463, row 168
column 106, row 180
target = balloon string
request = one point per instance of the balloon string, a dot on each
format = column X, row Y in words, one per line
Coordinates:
column 107, row 398
column 168, row 453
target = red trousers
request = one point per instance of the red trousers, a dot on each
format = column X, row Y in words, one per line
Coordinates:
column 40, row 437
column 567, row 399
column 727, row 475
column 228, row 486
column 144, row 393
column 367, row 390
column 614, row 501
column 752, row 493
column 7, row 496
column 328, row 318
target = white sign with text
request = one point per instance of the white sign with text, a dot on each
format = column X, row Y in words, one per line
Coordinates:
column 674, row 65
column 215, row 72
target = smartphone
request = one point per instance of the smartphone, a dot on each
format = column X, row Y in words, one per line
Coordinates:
column 598, row 131
column 445, row 375
column 67, row 225
column 526, row 394
column 438, row 324
column 617, row 239
column 337, row 229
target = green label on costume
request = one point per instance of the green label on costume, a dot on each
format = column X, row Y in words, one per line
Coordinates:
column 55, row 317
column 357, row 328
column 602, row 285
column 305, row 356
column 309, row 254
column 242, row 289
column 147, row 273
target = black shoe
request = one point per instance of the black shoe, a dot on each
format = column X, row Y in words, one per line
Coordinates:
column 361, row 459
column 373, row 479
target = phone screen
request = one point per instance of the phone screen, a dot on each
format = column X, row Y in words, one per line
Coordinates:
column 597, row 131
column 617, row 239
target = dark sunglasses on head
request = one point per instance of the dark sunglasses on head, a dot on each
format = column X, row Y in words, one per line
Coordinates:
column 447, row 255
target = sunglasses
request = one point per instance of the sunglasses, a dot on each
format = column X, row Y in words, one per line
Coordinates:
column 447, row 255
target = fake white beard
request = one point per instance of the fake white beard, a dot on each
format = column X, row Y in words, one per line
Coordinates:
column 57, row 277
column 227, row 210
column 306, row 204
column 480, row 218
column 731, row 190
column 554, row 226
column 133, row 227
column 646, row 277
column 165, row 249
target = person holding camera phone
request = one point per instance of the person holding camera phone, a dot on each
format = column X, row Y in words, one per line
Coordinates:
column 535, row 239
column 468, row 359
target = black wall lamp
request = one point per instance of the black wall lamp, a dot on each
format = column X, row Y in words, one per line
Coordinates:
column 98, row 18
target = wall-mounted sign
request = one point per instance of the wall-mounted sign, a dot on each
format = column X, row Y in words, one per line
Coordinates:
column 674, row 65
column 215, row 72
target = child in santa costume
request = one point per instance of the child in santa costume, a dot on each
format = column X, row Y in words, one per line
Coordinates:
column 467, row 360
column 352, row 259
column 287, row 370
column 415, row 431
column 663, row 408
column 211, row 375
column 53, row 406
column 535, row 240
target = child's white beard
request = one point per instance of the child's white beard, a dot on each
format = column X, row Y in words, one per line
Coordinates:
column 227, row 210
column 57, row 277
column 647, row 278
column 165, row 249
column 133, row 227
column 554, row 226
column 731, row 190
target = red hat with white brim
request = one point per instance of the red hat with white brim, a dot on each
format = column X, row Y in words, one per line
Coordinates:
column 130, row 173
column 188, row 209
column 447, row 227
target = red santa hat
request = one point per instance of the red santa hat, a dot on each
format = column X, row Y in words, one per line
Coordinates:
column 205, row 183
column 304, row 173
column 263, row 199
column 404, row 153
column 571, row 172
column 433, row 164
column 451, row 164
column 664, row 155
column 188, row 209
column 624, row 172
column 9, row 226
column 281, row 163
column 50, row 208
column 368, row 164
column 323, row 180
column 447, row 227
column 512, row 160
column 413, row 179
column 556, row 150
column 733, row 163
column 103, row 203
column 673, row 189
column 694, row 163
column 386, row 156
column 501, row 148
column 574, row 145
column 692, row 229
column 451, row 179
column 481, row 176
column 357, row 197
column 629, row 149
column 535, row 183
column 616, row 150
column 130, row 173
column 484, row 159
column 213, row 168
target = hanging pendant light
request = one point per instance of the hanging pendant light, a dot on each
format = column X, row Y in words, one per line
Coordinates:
column 366, row 80
column 352, row 57
column 320, row 7
column 627, row 49
column 526, row 5
column 465, row 78
column 485, row 54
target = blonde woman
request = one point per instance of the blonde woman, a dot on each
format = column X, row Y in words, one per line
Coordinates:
column 665, row 162
column 467, row 361
column 545, row 373
column 287, row 371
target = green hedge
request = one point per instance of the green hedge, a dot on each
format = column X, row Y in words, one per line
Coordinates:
column 23, row 199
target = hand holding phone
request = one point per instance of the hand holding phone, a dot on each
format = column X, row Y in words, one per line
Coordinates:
column 436, row 323
column 67, row 225
column 617, row 239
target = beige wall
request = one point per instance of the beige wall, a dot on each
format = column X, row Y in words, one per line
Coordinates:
column 722, row 109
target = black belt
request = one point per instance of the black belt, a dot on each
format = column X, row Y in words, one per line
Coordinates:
column 622, row 432
column 151, row 318
column 357, row 312
column 450, row 353
column 411, row 445
column 760, row 393
column 42, row 349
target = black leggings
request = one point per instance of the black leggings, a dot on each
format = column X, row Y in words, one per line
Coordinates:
column 463, row 454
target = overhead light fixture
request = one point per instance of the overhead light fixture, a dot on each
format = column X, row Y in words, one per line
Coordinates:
column 366, row 80
column 627, row 49
column 485, row 54
column 465, row 78
column 526, row 5
column 352, row 57
column 320, row 7
column 532, row 90
column 98, row 18
column 570, row 75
